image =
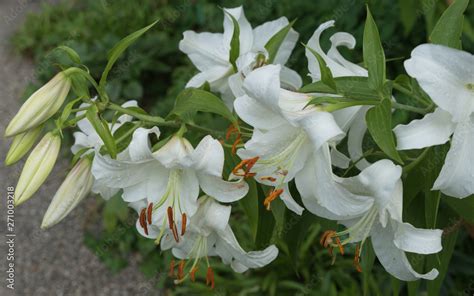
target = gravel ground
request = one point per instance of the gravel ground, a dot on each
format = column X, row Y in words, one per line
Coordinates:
column 53, row 262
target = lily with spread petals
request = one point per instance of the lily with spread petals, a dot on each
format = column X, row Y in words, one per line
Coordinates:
column 286, row 133
column 209, row 235
column 447, row 76
column 351, row 119
column 168, row 180
column 210, row 53
column 369, row 205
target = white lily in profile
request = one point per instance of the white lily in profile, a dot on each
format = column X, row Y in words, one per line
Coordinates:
column 87, row 139
column 210, row 53
column 369, row 205
column 447, row 76
column 167, row 181
column 209, row 235
column 352, row 119
column 286, row 133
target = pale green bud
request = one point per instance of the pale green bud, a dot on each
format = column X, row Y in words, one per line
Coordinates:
column 37, row 167
column 75, row 188
column 21, row 144
column 41, row 105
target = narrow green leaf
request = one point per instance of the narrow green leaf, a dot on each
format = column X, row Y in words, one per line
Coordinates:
column 464, row 207
column 102, row 128
column 448, row 29
column 119, row 48
column 250, row 205
column 67, row 110
column 408, row 14
column 123, row 135
column 374, row 57
column 234, row 42
column 379, row 124
column 367, row 263
column 351, row 87
column 72, row 54
column 326, row 75
column 192, row 100
column 274, row 43
column 266, row 222
column 395, row 285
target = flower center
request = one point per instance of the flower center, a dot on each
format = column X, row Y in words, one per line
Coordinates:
column 187, row 269
column 357, row 232
column 470, row 86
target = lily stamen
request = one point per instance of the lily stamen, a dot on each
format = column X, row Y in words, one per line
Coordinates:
column 192, row 274
column 268, row 178
column 357, row 259
column 181, row 270
column 183, row 223
column 210, row 277
column 244, row 167
column 273, row 195
column 149, row 212
column 172, row 264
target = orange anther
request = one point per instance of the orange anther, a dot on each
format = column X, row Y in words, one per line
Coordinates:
column 170, row 217
column 174, row 229
column 236, row 142
column 341, row 247
column 210, row 277
column 357, row 259
column 183, row 223
column 181, row 270
column 149, row 213
column 192, row 273
column 245, row 166
column 273, row 195
column 268, row 178
column 171, row 273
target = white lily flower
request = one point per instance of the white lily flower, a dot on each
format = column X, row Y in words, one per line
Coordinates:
column 369, row 204
column 447, row 76
column 210, row 53
column 209, row 235
column 88, row 139
column 285, row 136
column 168, row 179
column 352, row 119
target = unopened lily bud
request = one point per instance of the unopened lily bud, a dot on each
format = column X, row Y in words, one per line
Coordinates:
column 37, row 167
column 21, row 144
column 41, row 105
column 75, row 188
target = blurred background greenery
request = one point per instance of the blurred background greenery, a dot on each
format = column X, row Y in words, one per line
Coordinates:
column 154, row 71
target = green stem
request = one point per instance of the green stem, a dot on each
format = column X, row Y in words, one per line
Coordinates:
column 74, row 121
column 409, row 108
column 408, row 93
column 102, row 95
column 154, row 119
column 413, row 164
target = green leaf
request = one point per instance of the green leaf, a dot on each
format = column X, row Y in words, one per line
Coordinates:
column 119, row 48
column 72, row 54
column 367, row 260
column 448, row 29
column 114, row 209
column 408, row 14
column 274, row 43
column 351, row 87
column 374, row 57
column 379, row 124
column 326, row 75
column 250, row 205
column 234, row 42
column 123, row 135
column 102, row 128
column 67, row 110
column 192, row 100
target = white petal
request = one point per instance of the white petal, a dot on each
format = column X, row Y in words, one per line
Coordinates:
column 392, row 258
column 378, row 181
column 322, row 193
column 126, row 118
column 457, row 175
column 188, row 193
column 290, row 202
column 81, row 141
column 256, row 114
column 321, row 128
column 236, row 84
column 139, row 148
column 355, row 140
column 433, row 129
column 246, row 36
column 206, row 50
column 417, row 240
column 211, row 216
column 221, row 190
column 263, row 85
column 313, row 65
column 228, row 248
column 347, row 40
column 104, row 191
column 208, row 157
column 215, row 76
column 444, row 74
column 290, row 79
column 339, row 159
column 174, row 153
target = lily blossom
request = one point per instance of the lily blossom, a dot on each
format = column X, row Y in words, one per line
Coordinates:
column 168, row 180
column 210, row 53
column 209, row 235
column 447, row 76
column 351, row 119
column 369, row 205
column 286, row 133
